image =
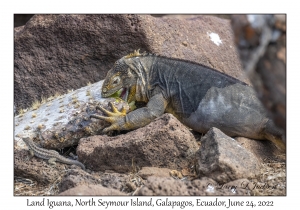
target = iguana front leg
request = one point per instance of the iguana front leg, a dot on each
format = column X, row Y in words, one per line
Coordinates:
column 135, row 119
column 112, row 117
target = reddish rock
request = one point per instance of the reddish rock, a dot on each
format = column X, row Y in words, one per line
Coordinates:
column 237, row 187
column 91, row 190
column 37, row 168
column 165, row 142
column 224, row 159
column 196, row 39
column 54, row 53
column 158, row 186
column 114, row 180
column 263, row 150
column 207, row 186
column 202, row 186
column 146, row 172
column 73, row 178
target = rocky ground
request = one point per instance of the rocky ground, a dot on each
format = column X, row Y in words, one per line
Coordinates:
column 57, row 53
column 190, row 165
column 162, row 158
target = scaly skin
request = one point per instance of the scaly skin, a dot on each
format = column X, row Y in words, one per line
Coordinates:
column 199, row 96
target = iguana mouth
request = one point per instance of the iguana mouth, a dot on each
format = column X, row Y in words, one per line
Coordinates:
column 122, row 93
column 126, row 94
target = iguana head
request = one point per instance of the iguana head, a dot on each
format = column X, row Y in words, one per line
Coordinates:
column 120, row 81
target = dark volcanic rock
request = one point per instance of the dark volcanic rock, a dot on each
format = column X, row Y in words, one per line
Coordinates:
column 165, row 142
column 91, row 190
column 54, row 53
column 224, row 159
column 261, row 42
column 21, row 19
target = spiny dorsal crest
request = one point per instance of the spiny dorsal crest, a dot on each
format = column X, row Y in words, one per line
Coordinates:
column 137, row 53
column 134, row 54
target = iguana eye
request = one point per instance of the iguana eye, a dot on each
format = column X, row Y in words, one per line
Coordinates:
column 116, row 80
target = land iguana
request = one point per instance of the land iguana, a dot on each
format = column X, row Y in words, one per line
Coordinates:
column 198, row 96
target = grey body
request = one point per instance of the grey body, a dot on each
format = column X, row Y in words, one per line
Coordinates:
column 201, row 98
column 233, row 109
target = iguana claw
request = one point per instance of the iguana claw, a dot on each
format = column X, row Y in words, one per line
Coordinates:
column 115, row 112
column 116, row 117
